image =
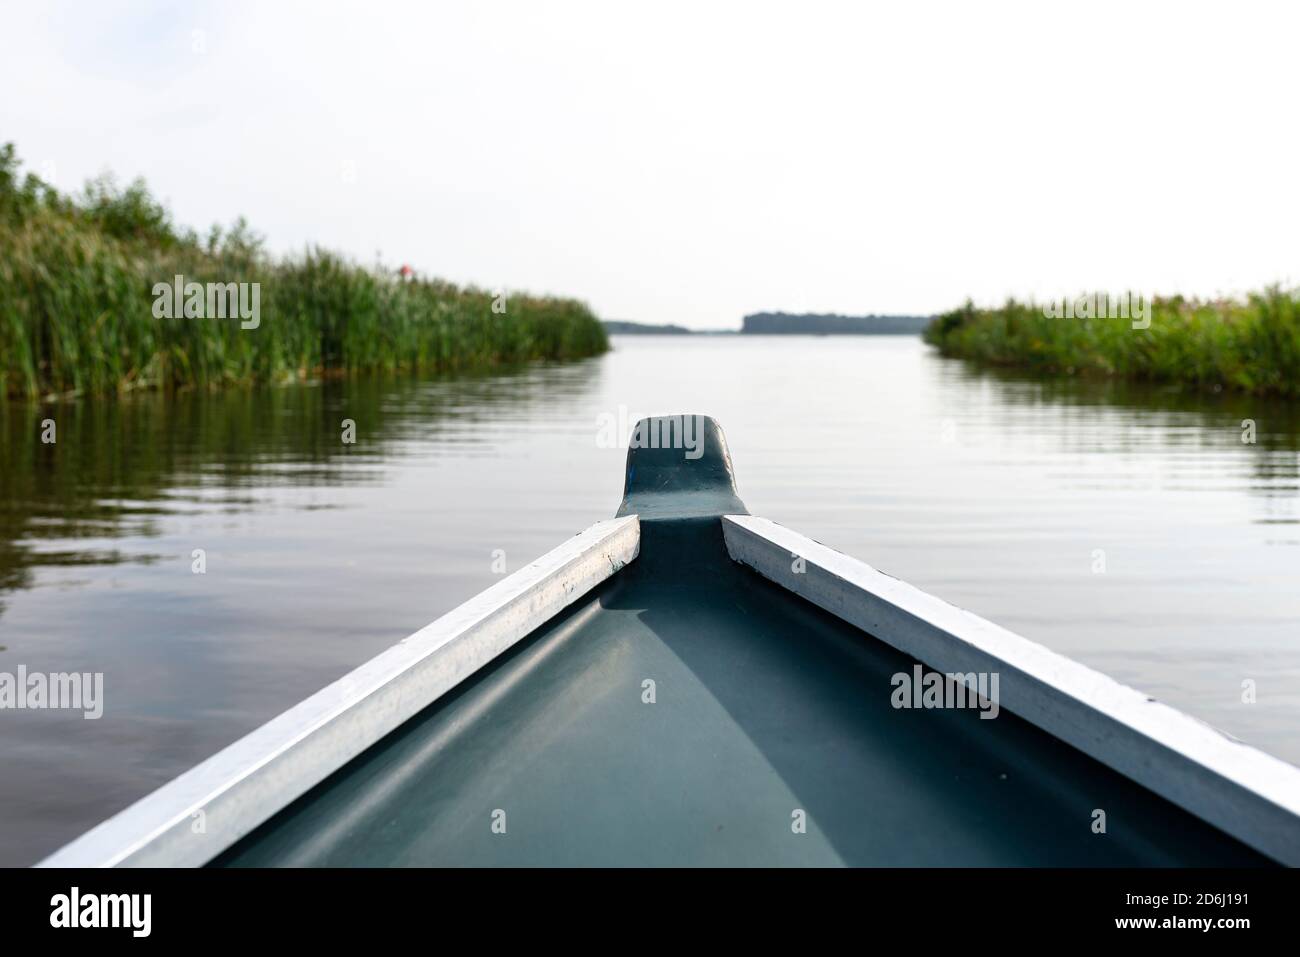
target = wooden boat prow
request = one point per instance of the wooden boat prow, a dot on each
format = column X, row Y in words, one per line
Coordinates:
column 688, row 684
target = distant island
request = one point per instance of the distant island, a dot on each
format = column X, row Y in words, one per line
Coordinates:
column 830, row 324
column 617, row 327
column 785, row 323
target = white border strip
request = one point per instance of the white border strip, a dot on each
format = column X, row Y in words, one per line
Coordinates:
column 1247, row 793
column 240, row 787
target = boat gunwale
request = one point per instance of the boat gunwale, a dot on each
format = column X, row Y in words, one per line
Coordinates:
column 1244, row 792
column 249, row 781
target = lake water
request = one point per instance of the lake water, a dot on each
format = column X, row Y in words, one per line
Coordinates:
column 1130, row 528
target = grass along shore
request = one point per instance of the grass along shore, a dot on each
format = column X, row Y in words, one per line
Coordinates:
column 79, row 312
column 1251, row 345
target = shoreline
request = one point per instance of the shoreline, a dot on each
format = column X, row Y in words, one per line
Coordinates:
column 1250, row 346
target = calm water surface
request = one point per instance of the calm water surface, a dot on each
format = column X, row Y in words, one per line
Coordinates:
column 1130, row 528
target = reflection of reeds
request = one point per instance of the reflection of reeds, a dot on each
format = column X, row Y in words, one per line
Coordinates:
column 1251, row 345
column 123, row 471
column 76, row 305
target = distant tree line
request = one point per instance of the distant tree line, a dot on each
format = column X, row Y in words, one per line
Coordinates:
column 831, row 324
column 619, row 327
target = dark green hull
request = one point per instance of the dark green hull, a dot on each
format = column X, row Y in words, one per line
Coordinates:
column 764, row 706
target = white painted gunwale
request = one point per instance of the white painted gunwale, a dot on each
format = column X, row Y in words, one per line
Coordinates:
column 1242, row 791
column 248, row 782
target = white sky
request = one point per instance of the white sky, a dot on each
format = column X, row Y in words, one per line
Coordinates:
column 691, row 163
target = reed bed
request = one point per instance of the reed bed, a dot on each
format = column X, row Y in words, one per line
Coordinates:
column 1250, row 344
column 77, row 304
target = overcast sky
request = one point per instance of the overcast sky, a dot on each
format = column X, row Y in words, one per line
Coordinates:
column 691, row 163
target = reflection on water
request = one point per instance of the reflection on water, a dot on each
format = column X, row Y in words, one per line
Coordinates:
column 1129, row 527
column 117, row 469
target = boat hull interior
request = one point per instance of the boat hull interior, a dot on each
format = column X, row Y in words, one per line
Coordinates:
column 689, row 712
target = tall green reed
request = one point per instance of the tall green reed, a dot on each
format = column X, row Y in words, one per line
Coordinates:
column 1250, row 344
column 77, row 276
